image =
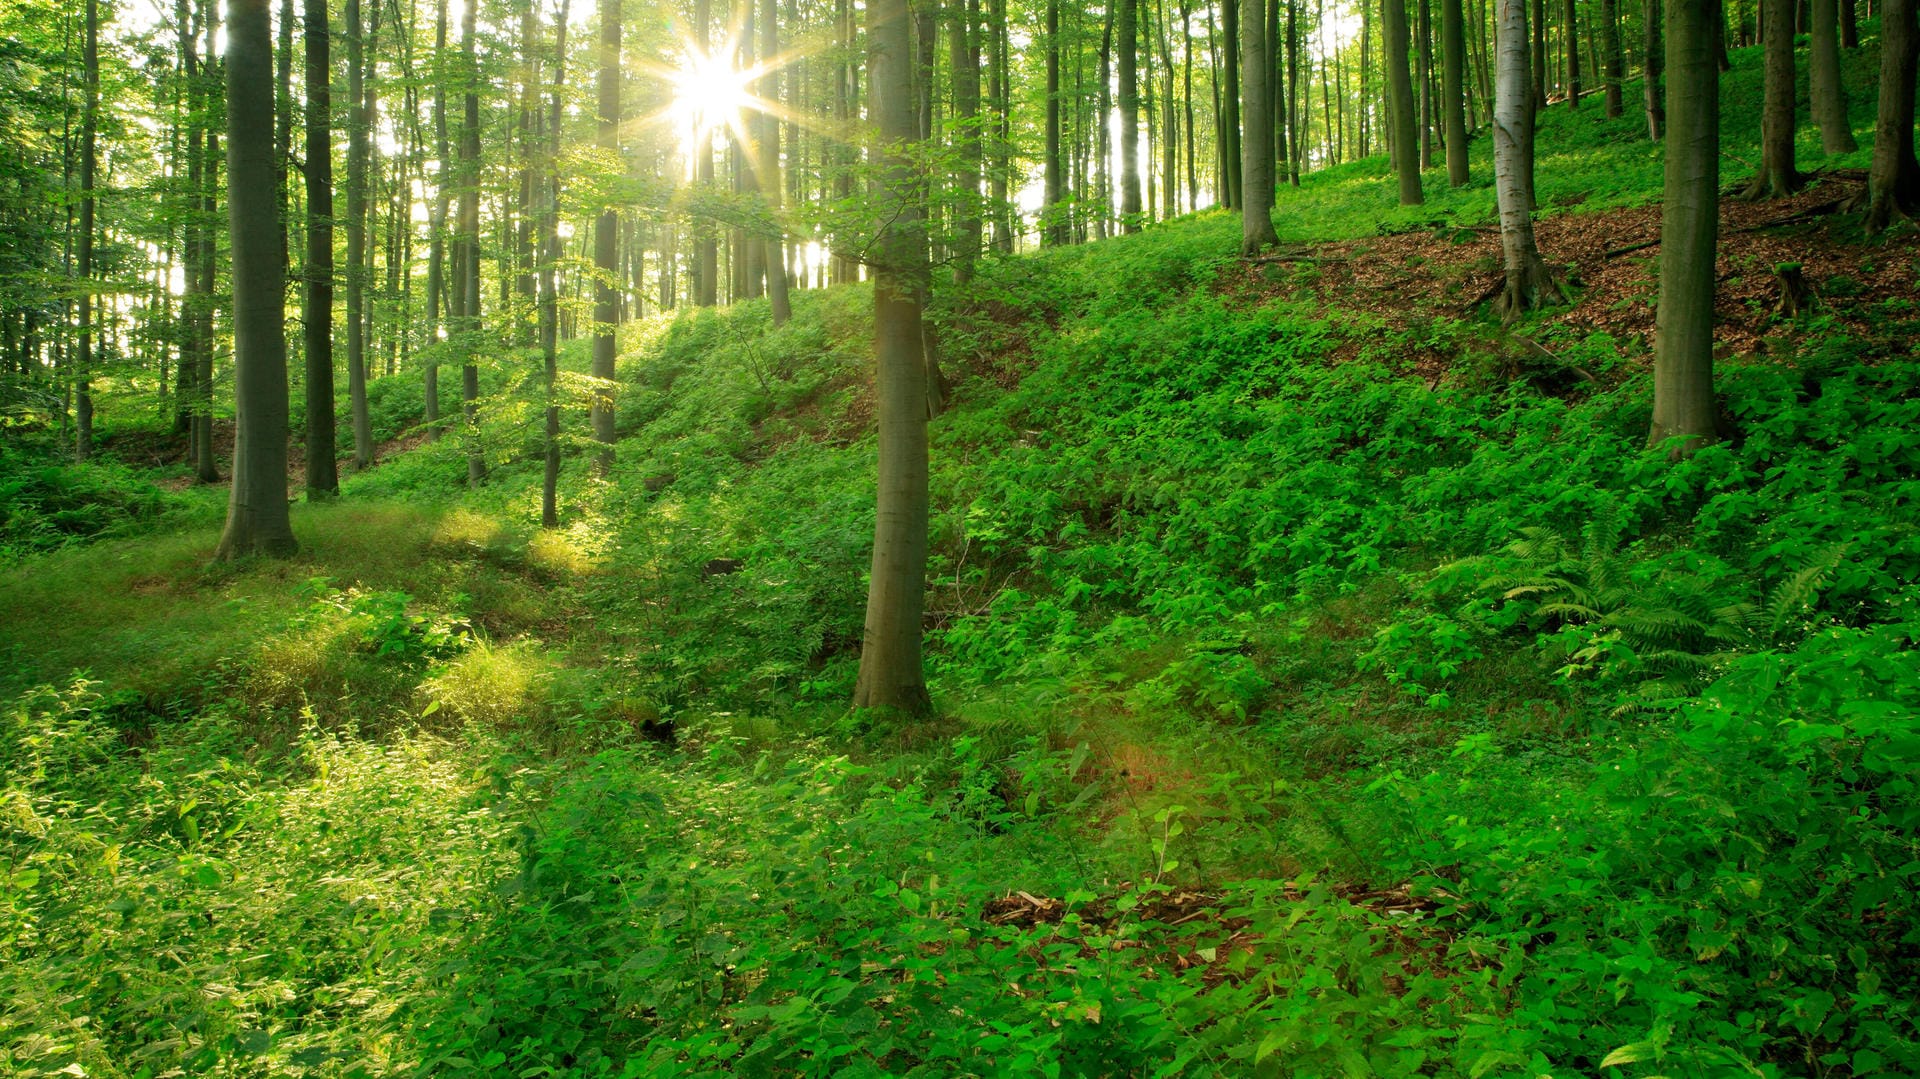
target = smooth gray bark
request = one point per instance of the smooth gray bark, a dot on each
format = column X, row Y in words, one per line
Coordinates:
column 1683, row 401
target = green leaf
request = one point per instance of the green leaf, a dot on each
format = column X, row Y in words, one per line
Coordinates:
column 910, row 899
column 1629, row 1054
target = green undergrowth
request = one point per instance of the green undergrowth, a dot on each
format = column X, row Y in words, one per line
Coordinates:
column 1301, row 711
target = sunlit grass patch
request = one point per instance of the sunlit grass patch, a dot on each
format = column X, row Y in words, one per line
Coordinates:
column 491, row 686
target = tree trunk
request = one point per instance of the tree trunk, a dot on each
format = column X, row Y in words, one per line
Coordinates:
column 768, row 168
column 1849, row 25
column 1453, row 52
column 359, row 138
column 891, row 676
column 1127, row 33
column 606, row 239
column 1528, row 283
column 316, row 312
column 1893, row 182
column 439, row 303
column 257, row 521
column 207, row 264
column 549, row 291
column 1614, row 68
column 1423, row 66
column 89, row 137
column 1683, row 402
column 1052, row 217
column 706, row 251
column 1539, row 60
column 1653, row 50
column 1234, row 195
column 1393, row 29
column 1572, row 33
column 1256, row 149
column 467, row 247
column 1829, row 96
column 1001, row 144
column 1777, row 177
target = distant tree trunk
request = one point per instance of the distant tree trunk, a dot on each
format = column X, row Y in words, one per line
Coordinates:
column 1614, row 63
column 439, row 303
column 1103, row 156
column 1256, row 148
column 1777, row 176
column 1423, row 66
column 606, row 239
column 257, row 521
column 316, row 313
column 206, row 264
column 1683, row 401
column 1528, row 285
column 89, row 136
column 891, row 676
column 706, row 249
column 1653, row 54
column 359, row 139
column 1393, row 29
column 467, row 260
column 1572, row 32
column 1296, row 113
column 1000, row 165
column 283, row 128
column 1453, row 52
column 1829, row 96
column 768, row 167
column 1229, row 131
column 549, row 292
column 1893, row 182
column 1849, row 25
column 1539, row 65
column 1054, row 227
column 1127, row 32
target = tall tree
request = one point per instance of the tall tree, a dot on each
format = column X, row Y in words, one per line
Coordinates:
column 316, row 309
column 1683, row 402
column 1777, row 176
column 1256, row 147
column 1127, row 31
column 1539, row 56
column 1453, row 53
column 1893, row 182
column 606, row 252
column 1571, row 33
column 706, row 245
column 891, row 675
column 1613, row 61
column 257, row 521
column 549, row 291
column 1051, row 214
column 1393, row 29
column 964, row 56
column 1653, row 53
column 1829, row 96
column 359, row 139
column 767, row 166
column 89, row 152
column 466, row 246
column 1228, row 130
column 439, row 300
column 1528, row 283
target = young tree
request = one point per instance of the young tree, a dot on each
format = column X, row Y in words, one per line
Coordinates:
column 1393, row 29
column 1893, row 182
column 1453, row 52
column 1614, row 64
column 1829, row 96
column 466, row 246
column 1572, row 33
column 316, row 311
column 1256, row 146
column 1128, row 31
column 964, row 53
column 606, row 252
column 891, row 675
column 89, row 135
column 1777, row 176
column 257, row 521
column 1653, row 50
column 1683, row 403
column 1055, row 231
column 359, row 140
column 1528, row 283
column 549, row 290
column 767, row 167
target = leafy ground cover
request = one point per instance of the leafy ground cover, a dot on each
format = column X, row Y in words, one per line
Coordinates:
column 1327, row 688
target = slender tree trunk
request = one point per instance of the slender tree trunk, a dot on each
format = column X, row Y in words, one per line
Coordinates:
column 1849, row 25
column 1000, row 167
column 1296, row 112
column 323, row 479
column 1683, row 401
column 1052, row 217
column 1453, row 50
column 89, row 136
column 768, row 168
column 1186, row 96
column 207, row 263
column 1829, row 96
column 964, row 55
column 706, row 254
column 1571, row 32
column 439, row 302
column 359, row 139
column 1614, row 65
column 1127, row 33
column 549, row 292
column 1400, row 84
column 891, row 676
column 467, row 247
column 1103, row 172
column 1234, row 195
column 1893, row 181
column 1539, row 57
column 1423, row 53
column 257, row 521
column 1528, row 283
column 1256, row 151
column 606, row 252
column 1652, row 61
column 1777, row 176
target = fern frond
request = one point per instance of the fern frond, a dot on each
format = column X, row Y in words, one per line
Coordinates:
column 1801, row 590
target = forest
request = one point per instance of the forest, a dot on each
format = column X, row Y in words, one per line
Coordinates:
column 1059, row 538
